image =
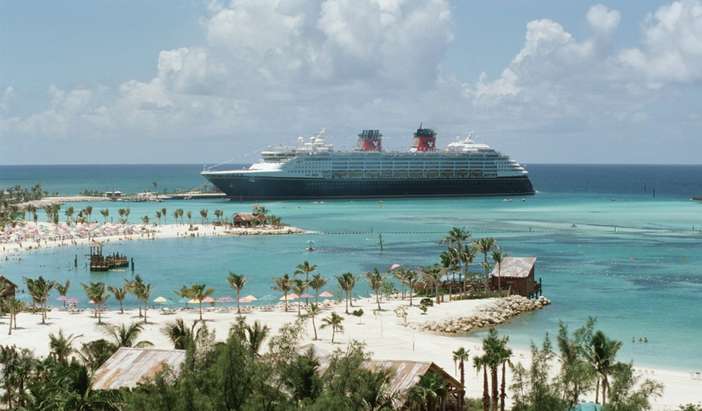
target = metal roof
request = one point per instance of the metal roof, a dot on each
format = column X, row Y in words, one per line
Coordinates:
column 129, row 366
column 514, row 267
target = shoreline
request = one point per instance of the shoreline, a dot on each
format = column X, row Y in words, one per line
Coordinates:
column 35, row 236
column 384, row 334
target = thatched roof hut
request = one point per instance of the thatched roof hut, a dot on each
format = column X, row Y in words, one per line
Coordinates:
column 8, row 288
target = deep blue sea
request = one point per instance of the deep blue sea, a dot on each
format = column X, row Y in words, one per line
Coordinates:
column 606, row 245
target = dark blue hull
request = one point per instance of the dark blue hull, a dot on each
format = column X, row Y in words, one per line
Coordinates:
column 273, row 188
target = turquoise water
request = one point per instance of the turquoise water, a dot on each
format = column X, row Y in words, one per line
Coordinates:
column 641, row 280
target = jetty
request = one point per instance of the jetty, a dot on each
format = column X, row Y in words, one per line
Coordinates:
column 100, row 262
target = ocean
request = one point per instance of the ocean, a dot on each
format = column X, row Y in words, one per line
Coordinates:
column 620, row 243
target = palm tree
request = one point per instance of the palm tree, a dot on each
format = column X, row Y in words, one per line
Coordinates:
column 199, row 292
column 236, row 282
column 69, row 214
column 428, row 394
column 39, row 290
column 317, row 283
column 255, row 335
column 456, row 237
column 283, row 284
column 143, row 293
column 203, row 214
column 97, row 293
column 14, row 307
column 347, row 281
column 450, row 261
column 335, row 321
column 498, row 257
column 504, row 355
column 496, row 354
column 180, row 335
column 135, row 286
column 63, row 289
column 313, row 310
column 120, row 294
column 145, row 220
column 158, row 216
column 61, row 346
column 126, row 335
column 105, row 214
column 299, row 287
column 189, row 214
column 481, row 363
column 305, row 268
column 411, row 278
column 164, row 215
column 89, row 212
column 466, row 255
column 460, row 356
column 375, row 281
column 485, row 245
column 432, row 276
column 83, row 396
column 602, row 357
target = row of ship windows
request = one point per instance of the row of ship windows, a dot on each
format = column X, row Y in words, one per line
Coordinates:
column 406, row 174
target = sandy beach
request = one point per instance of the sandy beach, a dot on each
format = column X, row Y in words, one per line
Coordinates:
column 384, row 334
column 31, row 236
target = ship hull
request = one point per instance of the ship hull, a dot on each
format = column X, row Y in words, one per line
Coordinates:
column 238, row 187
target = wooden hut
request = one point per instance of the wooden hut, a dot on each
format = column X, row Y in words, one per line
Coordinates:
column 8, row 288
column 248, row 219
column 515, row 274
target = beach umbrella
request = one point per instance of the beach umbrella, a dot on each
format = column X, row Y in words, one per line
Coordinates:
column 307, row 296
column 194, row 301
column 225, row 300
column 394, row 267
column 247, row 299
column 160, row 300
column 292, row 296
column 62, row 298
column 326, row 294
column 208, row 300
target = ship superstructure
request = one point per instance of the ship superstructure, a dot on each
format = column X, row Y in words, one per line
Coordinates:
column 313, row 169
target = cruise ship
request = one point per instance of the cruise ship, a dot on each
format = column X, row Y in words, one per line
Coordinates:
column 314, row 170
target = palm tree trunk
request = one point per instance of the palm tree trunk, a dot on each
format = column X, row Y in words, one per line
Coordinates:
column 377, row 298
column 503, row 394
column 604, row 390
column 597, row 391
column 333, row 332
column 462, row 392
column 314, row 327
column 486, row 395
column 145, row 309
column 238, row 310
column 347, row 303
column 286, row 302
column 493, row 378
column 121, row 307
column 200, row 310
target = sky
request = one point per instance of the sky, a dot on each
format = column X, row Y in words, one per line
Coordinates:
column 197, row 81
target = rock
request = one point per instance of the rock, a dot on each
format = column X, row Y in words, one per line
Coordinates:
column 500, row 312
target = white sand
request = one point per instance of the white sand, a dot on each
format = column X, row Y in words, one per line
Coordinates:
column 49, row 235
column 384, row 335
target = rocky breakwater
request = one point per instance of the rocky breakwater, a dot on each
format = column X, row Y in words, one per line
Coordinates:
column 491, row 315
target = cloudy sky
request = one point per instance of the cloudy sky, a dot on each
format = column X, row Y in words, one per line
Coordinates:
column 196, row 81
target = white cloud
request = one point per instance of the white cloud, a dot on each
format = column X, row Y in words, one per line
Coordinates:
column 602, row 19
column 275, row 68
column 672, row 49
